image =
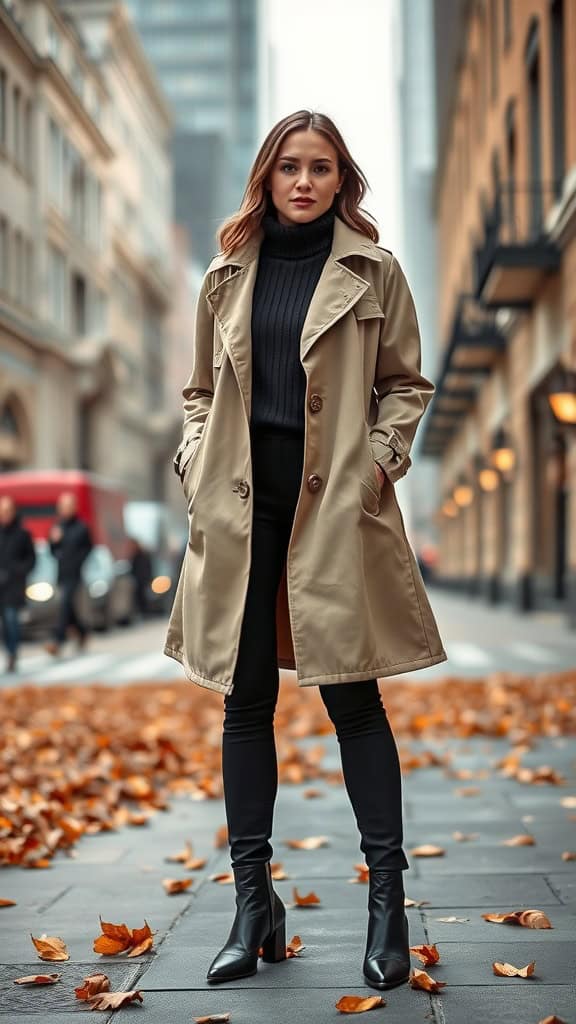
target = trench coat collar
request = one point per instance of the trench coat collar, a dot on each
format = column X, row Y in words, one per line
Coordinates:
column 339, row 288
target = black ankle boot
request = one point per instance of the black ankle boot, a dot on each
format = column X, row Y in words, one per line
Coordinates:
column 387, row 956
column 260, row 921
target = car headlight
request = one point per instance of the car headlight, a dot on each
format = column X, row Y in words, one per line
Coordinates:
column 40, row 591
column 161, row 584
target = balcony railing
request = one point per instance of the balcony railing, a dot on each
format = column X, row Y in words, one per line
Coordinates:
column 516, row 252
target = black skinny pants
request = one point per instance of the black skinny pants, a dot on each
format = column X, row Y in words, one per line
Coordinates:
column 368, row 751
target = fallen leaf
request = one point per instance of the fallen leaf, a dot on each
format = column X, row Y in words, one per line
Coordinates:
column 312, row 792
column 50, row 947
column 7, row 903
column 428, row 955
column 552, row 1020
column 427, row 851
column 363, row 874
column 522, row 840
column 92, row 985
column 224, row 877
column 358, row 1004
column 294, row 947
column 467, row 791
column 117, row 938
column 415, row 903
column 304, row 901
column 277, row 871
column 221, row 837
column 569, row 802
column 509, row 971
column 422, row 980
column 465, row 837
column 38, row 979
column 175, row 885
column 113, row 1000
column 453, row 920
column 569, row 855
column 213, row 1018
column 309, row 843
column 524, row 918
column 183, row 855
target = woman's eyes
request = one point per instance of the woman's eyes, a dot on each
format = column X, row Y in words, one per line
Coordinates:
column 320, row 167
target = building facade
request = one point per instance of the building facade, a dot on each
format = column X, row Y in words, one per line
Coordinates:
column 85, row 248
column 208, row 58
column 505, row 200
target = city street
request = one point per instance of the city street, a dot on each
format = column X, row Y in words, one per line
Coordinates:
column 478, row 640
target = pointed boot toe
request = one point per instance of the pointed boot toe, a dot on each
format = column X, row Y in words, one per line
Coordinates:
column 259, row 922
column 387, row 955
column 386, row 973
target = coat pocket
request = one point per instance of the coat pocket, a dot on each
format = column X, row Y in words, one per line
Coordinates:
column 370, row 493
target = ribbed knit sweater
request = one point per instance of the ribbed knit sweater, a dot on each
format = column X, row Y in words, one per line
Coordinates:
column 290, row 262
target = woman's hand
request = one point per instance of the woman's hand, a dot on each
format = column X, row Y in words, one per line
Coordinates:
column 380, row 474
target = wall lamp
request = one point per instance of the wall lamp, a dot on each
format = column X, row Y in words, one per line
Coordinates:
column 502, row 456
column 562, row 396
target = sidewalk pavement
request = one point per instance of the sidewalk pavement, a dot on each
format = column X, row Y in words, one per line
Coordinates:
column 118, row 876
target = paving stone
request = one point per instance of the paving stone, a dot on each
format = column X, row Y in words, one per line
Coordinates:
column 482, row 890
column 479, row 858
column 564, row 886
column 471, row 963
column 250, row 1003
column 499, row 1004
column 335, row 894
column 562, row 919
column 20, row 1001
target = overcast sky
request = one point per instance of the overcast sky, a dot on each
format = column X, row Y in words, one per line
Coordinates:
column 338, row 57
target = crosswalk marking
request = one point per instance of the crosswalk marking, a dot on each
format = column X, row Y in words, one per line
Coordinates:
column 469, row 655
column 533, row 652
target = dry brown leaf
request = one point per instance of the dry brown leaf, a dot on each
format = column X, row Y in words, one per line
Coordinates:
column 195, row 863
column 465, row 837
column 305, row 901
column 277, row 871
column 309, row 843
column 7, row 903
column 221, row 837
column 569, row 855
column 453, row 920
column 176, row 885
column 524, row 918
column 422, row 980
column 38, row 979
column 117, row 938
column 92, row 985
column 552, row 1020
column 428, row 955
column 50, row 947
column 415, row 903
column 468, row 791
column 182, row 856
column 539, row 776
column 224, row 877
column 358, row 1004
column 294, row 947
column 428, row 850
column 521, row 840
column 312, row 792
column 363, row 874
column 569, row 802
column 509, row 971
column 213, row 1018
column 113, row 1000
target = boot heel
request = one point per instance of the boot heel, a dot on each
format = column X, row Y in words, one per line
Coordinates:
column 274, row 947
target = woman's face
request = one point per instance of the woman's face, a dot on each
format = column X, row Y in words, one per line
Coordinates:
column 305, row 177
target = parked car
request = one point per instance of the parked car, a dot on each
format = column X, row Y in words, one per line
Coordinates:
column 148, row 524
column 104, row 597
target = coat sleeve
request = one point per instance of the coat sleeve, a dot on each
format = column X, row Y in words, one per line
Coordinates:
column 403, row 393
column 198, row 391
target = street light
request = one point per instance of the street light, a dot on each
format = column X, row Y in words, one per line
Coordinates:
column 488, row 479
column 502, row 456
column 562, row 396
column 463, row 495
column 450, row 508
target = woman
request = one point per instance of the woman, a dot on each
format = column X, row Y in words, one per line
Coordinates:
column 300, row 411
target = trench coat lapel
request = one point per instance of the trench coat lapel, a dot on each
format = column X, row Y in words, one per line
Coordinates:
column 339, row 288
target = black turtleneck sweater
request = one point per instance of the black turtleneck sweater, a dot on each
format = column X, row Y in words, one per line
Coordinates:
column 290, row 263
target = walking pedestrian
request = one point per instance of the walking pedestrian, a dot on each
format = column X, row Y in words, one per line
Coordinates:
column 141, row 569
column 300, row 411
column 17, row 559
column 70, row 543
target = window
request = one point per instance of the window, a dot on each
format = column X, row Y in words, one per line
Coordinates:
column 56, row 286
column 494, row 49
column 557, row 91
column 55, row 162
column 4, row 269
column 18, row 290
column 17, row 123
column 27, row 156
column 28, row 274
column 507, row 19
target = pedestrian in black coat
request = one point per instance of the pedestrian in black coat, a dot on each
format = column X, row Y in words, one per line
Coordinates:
column 70, row 543
column 17, row 558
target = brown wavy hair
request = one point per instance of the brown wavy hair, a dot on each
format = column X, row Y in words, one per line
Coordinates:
column 256, row 200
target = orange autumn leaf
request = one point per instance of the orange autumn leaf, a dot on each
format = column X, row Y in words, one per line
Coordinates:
column 552, row 1020
column 309, row 843
column 311, row 793
column 415, row 903
column 363, row 874
column 195, row 863
column 521, row 840
column 224, row 877
column 509, row 971
column 428, row 850
column 92, row 985
column 183, row 855
column 422, row 980
column 524, row 918
column 50, row 947
column 465, row 837
column 38, row 979
column 176, row 885
column 7, row 903
column 304, row 901
column 213, row 1018
column 277, row 871
column 468, row 791
column 569, row 802
column 428, row 955
column 114, row 1000
column 358, row 1004
column 117, row 938
column 569, row 855
column 294, row 947
column 221, row 837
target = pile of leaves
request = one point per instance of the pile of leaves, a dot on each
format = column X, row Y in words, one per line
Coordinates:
column 75, row 761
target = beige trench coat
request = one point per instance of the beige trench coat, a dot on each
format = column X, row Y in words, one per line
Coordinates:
column 351, row 604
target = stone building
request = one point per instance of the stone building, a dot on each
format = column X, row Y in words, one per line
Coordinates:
column 502, row 420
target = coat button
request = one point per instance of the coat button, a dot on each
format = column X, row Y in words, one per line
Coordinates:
column 315, row 403
column 243, row 489
column 314, row 482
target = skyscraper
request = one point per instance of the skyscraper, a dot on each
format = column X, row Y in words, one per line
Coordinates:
column 206, row 56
